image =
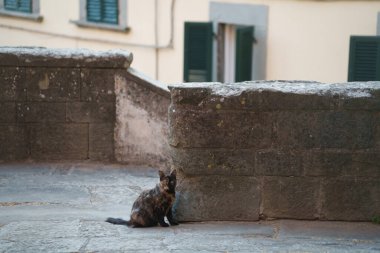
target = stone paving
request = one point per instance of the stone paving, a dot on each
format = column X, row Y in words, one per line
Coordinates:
column 62, row 207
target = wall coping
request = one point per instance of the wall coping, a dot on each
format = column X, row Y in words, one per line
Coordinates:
column 343, row 90
column 151, row 83
column 63, row 57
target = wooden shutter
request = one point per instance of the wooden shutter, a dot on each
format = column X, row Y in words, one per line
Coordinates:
column 104, row 11
column 364, row 61
column 18, row 5
column 243, row 63
column 110, row 11
column 198, row 52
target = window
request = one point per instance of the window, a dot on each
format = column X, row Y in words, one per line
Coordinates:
column 103, row 14
column 364, row 60
column 18, row 5
column 103, row 11
column 27, row 9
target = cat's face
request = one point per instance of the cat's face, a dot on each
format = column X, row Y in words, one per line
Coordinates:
column 168, row 182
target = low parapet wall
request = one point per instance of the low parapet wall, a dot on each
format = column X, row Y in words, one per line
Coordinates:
column 76, row 104
column 298, row 150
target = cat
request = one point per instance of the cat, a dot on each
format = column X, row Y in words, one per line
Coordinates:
column 151, row 207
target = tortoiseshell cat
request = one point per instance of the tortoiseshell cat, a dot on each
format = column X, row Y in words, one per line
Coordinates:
column 153, row 205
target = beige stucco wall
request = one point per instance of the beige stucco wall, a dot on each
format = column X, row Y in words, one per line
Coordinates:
column 307, row 40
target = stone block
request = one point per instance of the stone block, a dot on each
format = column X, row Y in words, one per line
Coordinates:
column 139, row 93
column 361, row 103
column 327, row 163
column 346, row 130
column 102, row 141
column 279, row 163
column 307, row 130
column 90, row 112
column 57, row 141
column 14, row 142
column 98, row 85
column 343, row 164
column 7, row 112
column 214, row 161
column 53, row 84
column 296, row 130
column 63, row 57
column 12, row 84
column 212, row 129
column 290, row 197
column 191, row 96
column 41, row 112
column 203, row 98
column 274, row 101
column 217, row 198
column 350, row 199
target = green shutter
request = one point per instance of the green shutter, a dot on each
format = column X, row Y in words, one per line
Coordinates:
column 18, row 5
column 94, row 10
column 103, row 11
column 364, row 62
column 198, row 52
column 243, row 63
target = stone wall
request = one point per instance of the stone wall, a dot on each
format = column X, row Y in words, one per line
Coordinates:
column 141, row 132
column 59, row 104
column 298, row 150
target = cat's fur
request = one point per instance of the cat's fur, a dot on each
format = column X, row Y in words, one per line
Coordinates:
column 151, row 207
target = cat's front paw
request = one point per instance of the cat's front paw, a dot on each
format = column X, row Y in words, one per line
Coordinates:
column 174, row 223
column 164, row 224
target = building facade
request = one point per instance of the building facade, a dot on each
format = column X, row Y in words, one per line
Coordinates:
column 202, row 40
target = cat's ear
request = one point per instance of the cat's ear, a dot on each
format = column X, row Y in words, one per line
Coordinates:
column 162, row 174
column 173, row 173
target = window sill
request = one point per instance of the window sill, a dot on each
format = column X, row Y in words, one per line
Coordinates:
column 14, row 14
column 102, row 26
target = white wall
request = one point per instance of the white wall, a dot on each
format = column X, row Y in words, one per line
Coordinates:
column 307, row 40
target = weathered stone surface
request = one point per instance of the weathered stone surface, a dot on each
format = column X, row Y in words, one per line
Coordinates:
column 12, row 84
column 7, row 112
column 342, row 163
column 101, row 141
column 299, row 133
column 296, row 130
column 279, row 163
column 90, row 112
column 141, row 123
column 52, row 141
column 306, row 130
column 98, row 85
column 217, row 198
column 350, row 199
column 53, row 84
column 214, row 161
column 274, row 101
column 59, row 57
column 139, row 93
column 41, row 112
column 14, row 144
column 366, row 104
column 346, row 130
column 328, row 163
column 212, row 129
column 290, row 197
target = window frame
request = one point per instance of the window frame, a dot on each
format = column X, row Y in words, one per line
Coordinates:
column 122, row 18
column 32, row 16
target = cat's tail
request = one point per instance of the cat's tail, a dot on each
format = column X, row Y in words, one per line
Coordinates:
column 118, row 221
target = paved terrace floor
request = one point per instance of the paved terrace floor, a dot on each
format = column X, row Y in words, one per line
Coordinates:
column 62, row 207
